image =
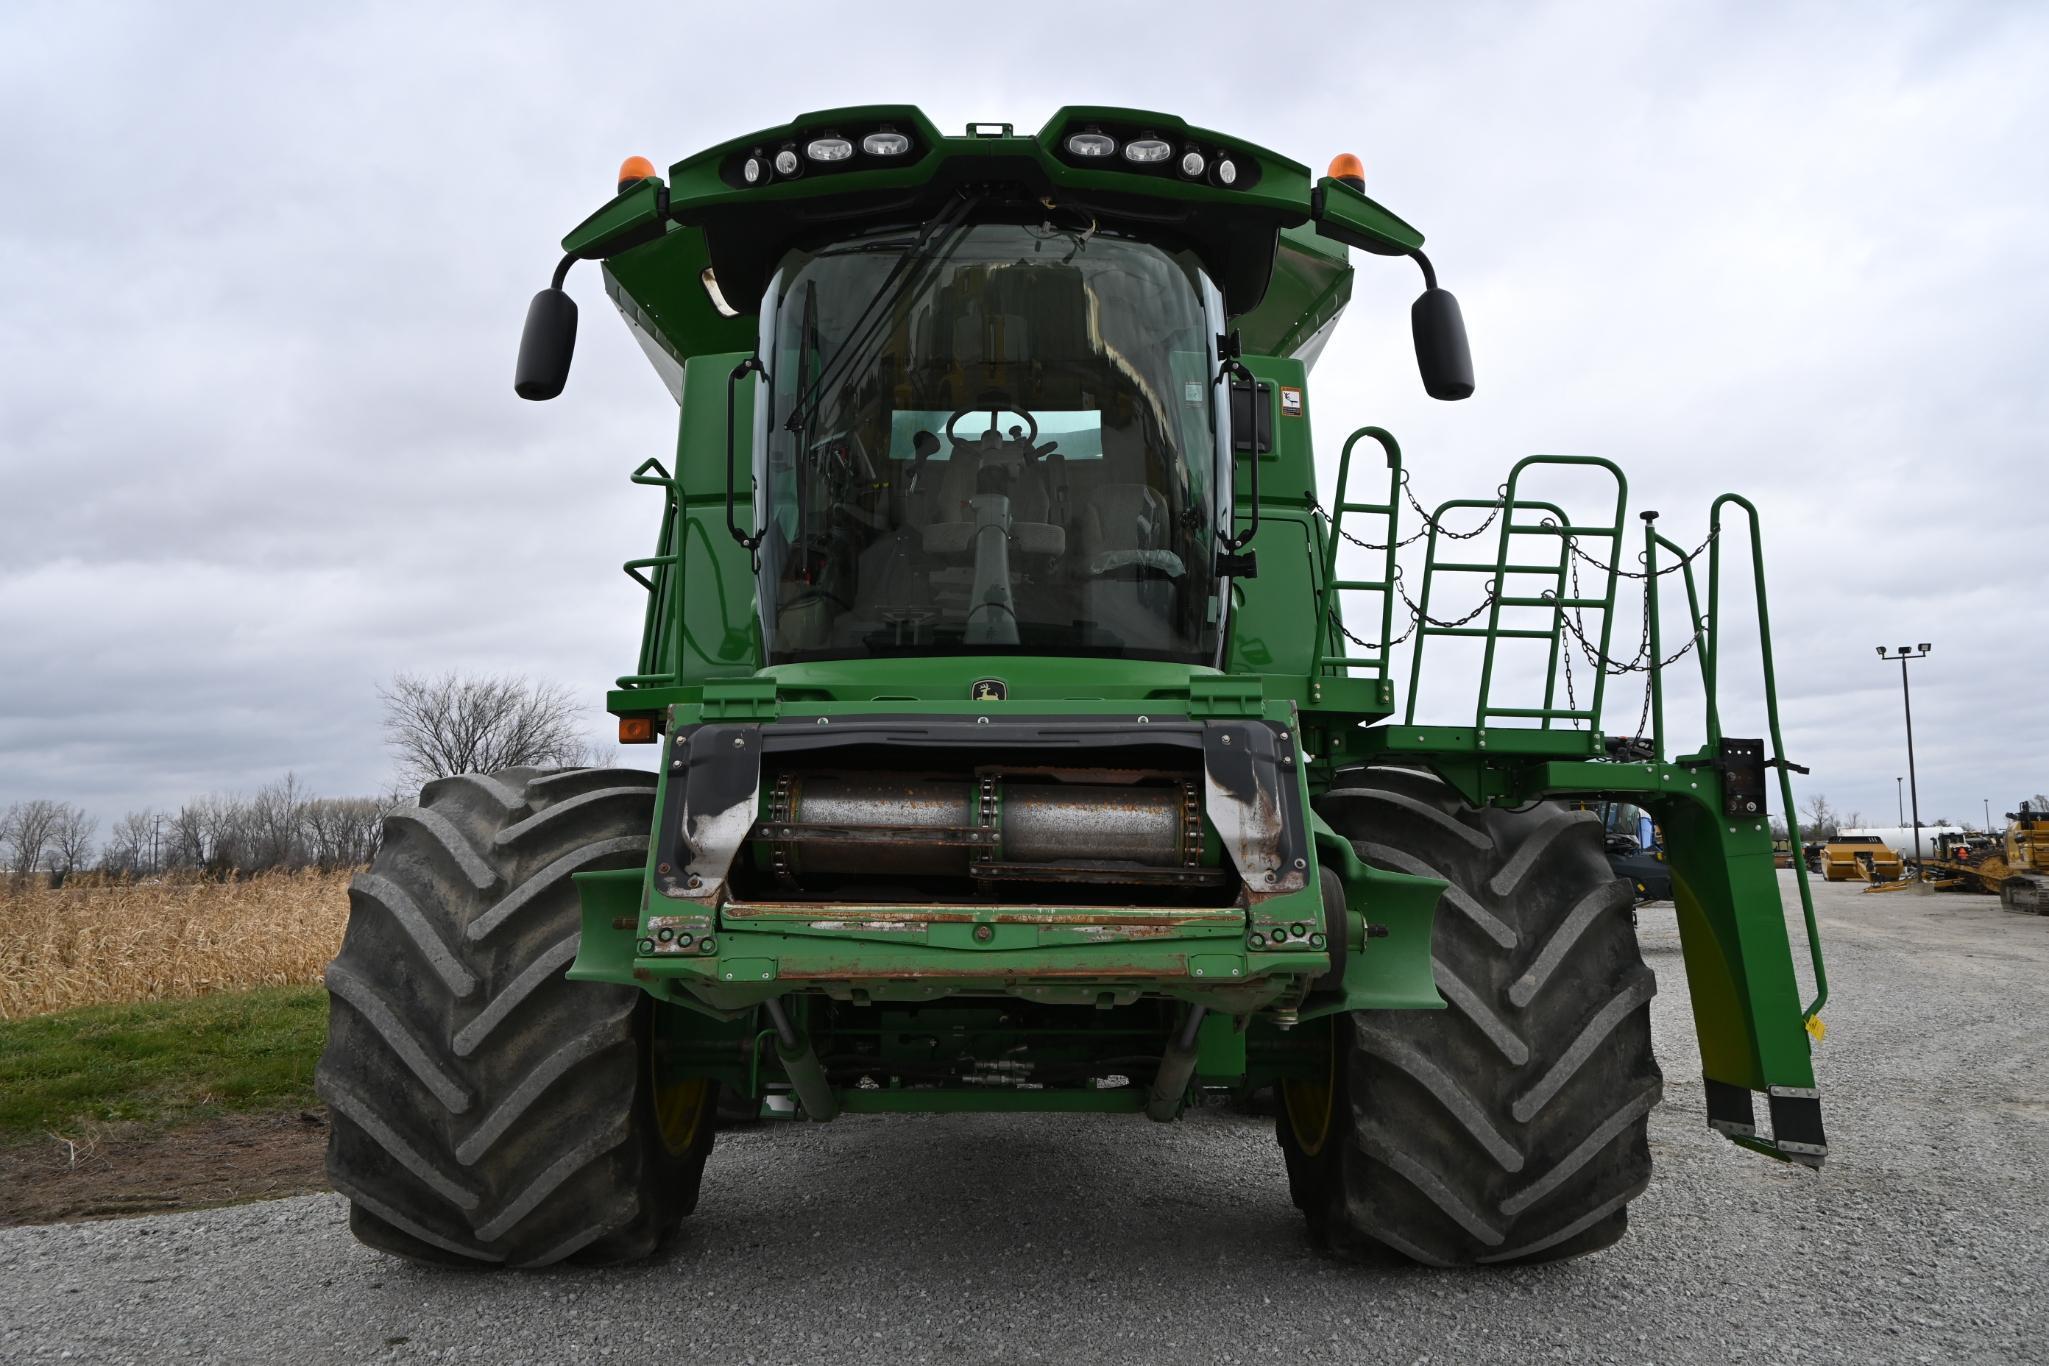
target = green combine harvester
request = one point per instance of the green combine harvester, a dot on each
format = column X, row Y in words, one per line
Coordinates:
column 1017, row 752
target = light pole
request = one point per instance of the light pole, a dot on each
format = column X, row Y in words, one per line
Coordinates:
column 1899, row 797
column 1988, row 815
column 1907, row 652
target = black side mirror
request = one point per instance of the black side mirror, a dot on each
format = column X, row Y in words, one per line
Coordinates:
column 1441, row 351
column 545, row 347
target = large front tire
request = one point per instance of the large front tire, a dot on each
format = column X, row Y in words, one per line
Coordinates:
column 485, row 1110
column 1511, row 1126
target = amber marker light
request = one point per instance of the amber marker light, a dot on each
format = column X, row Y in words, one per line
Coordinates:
column 1345, row 169
column 636, row 730
column 633, row 170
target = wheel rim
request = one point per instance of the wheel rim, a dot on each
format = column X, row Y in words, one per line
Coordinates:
column 1308, row 1104
column 680, row 1108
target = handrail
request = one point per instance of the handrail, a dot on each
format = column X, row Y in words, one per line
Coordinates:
column 664, row 587
column 1771, row 711
column 1567, row 532
column 1331, row 658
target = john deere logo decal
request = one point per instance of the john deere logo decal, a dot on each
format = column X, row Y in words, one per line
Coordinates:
column 989, row 690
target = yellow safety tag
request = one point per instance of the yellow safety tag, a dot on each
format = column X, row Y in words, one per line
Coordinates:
column 1817, row 1028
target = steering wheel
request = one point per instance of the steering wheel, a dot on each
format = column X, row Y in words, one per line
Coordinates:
column 993, row 409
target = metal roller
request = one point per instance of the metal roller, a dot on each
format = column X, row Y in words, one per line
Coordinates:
column 852, row 824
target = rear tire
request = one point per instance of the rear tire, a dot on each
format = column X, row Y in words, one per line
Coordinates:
column 485, row 1109
column 1510, row 1127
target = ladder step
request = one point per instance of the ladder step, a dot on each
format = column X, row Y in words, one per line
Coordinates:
column 1538, row 713
column 1552, row 602
column 1501, row 568
column 1483, row 631
column 1535, row 529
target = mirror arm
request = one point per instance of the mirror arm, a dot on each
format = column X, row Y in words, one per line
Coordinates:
column 562, row 272
column 1429, row 271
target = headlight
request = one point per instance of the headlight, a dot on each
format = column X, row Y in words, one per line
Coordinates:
column 829, row 149
column 1147, row 150
column 750, row 170
column 1227, row 172
column 885, row 144
column 1192, row 163
column 1091, row 144
column 786, row 161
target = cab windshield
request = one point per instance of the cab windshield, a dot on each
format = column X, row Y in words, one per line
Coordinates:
column 991, row 438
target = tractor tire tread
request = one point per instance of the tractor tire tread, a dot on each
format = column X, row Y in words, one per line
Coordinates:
column 1511, row 1126
column 485, row 1110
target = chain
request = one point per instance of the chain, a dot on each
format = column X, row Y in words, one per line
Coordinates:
column 1429, row 521
column 1596, row 658
column 1672, row 568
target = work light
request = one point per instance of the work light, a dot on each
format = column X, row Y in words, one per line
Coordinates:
column 1147, row 150
column 885, row 144
column 829, row 149
column 1091, row 144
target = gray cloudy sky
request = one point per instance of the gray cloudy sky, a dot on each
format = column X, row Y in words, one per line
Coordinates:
column 266, row 267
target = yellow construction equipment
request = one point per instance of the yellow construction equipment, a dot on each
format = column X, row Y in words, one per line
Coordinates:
column 1860, row 858
column 2015, row 866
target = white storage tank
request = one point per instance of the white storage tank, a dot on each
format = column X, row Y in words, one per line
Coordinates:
column 1901, row 837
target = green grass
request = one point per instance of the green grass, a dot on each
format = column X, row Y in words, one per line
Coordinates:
column 160, row 1062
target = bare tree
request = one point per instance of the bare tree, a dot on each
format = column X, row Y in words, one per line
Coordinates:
column 71, row 837
column 343, row 832
column 131, row 851
column 1821, row 821
column 438, row 727
column 29, row 827
column 275, row 835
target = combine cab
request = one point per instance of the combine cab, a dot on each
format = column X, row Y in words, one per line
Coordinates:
column 1021, row 740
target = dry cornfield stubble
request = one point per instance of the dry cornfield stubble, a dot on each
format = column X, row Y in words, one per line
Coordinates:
column 81, row 945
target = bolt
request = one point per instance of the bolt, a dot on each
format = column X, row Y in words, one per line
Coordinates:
column 1316, row 941
column 665, row 934
column 1227, row 739
column 646, row 946
column 1301, row 863
column 824, row 720
column 682, row 742
column 696, row 881
column 1257, row 941
column 1298, row 930
column 1272, row 876
column 683, row 939
column 984, row 933
column 676, row 767
column 707, row 945
column 661, row 867
column 739, row 742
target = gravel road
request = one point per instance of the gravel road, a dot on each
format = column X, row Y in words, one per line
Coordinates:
column 978, row 1239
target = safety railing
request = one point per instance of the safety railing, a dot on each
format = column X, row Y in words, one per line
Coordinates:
column 1331, row 655
column 1514, row 565
column 661, row 645
column 1707, row 638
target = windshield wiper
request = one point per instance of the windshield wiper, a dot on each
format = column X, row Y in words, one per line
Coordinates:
column 923, row 253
